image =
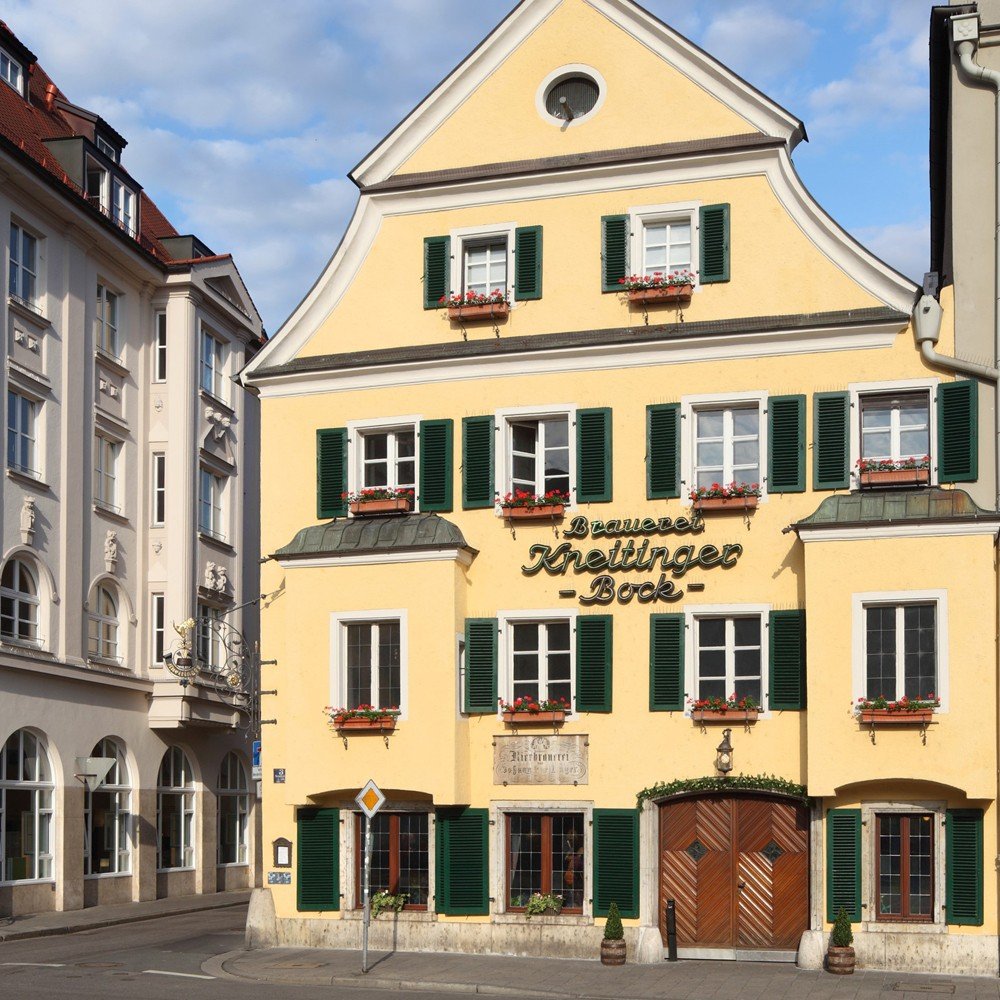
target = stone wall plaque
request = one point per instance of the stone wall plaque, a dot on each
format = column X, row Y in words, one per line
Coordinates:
column 553, row 759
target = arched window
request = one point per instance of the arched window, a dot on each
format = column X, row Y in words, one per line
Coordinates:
column 234, row 805
column 102, row 634
column 175, row 811
column 26, row 807
column 107, row 815
column 18, row 602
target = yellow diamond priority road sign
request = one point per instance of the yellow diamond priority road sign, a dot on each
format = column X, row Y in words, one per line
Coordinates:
column 370, row 799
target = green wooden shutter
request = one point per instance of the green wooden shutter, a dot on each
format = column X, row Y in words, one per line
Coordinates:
column 831, row 426
column 666, row 663
column 958, row 432
column 528, row 263
column 480, row 665
column 593, row 456
column 614, row 251
column 436, row 450
column 616, row 861
column 477, row 462
column 714, row 237
column 663, row 451
column 593, row 663
column 462, row 854
column 843, row 863
column 331, row 472
column 787, row 635
column 786, row 465
column 317, row 873
column 437, row 270
column 964, row 866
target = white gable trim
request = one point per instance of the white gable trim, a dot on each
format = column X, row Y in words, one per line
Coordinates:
column 872, row 274
column 686, row 57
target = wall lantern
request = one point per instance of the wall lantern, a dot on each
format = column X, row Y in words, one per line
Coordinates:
column 724, row 753
column 282, row 853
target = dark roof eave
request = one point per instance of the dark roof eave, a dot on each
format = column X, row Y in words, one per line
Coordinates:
column 280, row 556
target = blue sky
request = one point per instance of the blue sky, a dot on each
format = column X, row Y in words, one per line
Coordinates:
column 243, row 117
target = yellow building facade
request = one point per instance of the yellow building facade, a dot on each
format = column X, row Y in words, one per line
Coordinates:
column 583, row 277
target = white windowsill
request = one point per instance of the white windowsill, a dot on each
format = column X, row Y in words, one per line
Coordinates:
column 32, row 478
column 232, row 864
column 167, row 871
column 28, row 881
column 106, row 875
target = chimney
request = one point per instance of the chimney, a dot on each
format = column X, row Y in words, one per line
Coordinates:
column 50, row 96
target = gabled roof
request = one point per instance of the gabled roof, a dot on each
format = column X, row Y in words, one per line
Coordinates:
column 758, row 109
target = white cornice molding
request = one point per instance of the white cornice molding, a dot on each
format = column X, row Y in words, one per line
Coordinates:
column 863, row 267
column 462, row 556
column 866, row 532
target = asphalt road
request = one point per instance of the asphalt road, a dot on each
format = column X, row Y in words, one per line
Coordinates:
column 152, row 960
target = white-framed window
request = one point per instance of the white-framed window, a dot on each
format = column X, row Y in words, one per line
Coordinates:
column 664, row 238
column 159, row 488
column 19, row 602
column 175, row 828
column 103, row 625
column 234, row 808
column 106, row 454
column 210, row 647
column 211, row 493
column 23, row 270
column 481, row 260
column 96, row 184
column 26, row 792
column 368, row 659
column 106, row 148
column 107, row 816
column 388, row 458
column 160, row 348
column 158, row 608
column 541, row 660
column 538, row 450
column 22, row 451
column 123, row 206
column 727, row 652
column 724, row 440
column 106, row 328
column 213, row 376
column 10, row 71
column 901, row 645
column 583, row 88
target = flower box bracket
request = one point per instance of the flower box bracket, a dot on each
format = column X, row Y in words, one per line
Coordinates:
column 875, row 718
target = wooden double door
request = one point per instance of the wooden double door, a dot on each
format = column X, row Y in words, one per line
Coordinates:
column 737, row 868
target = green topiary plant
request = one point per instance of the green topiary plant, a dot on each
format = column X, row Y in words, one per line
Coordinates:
column 613, row 930
column 843, row 936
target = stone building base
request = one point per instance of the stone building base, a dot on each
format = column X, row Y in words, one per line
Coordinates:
column 911, row 951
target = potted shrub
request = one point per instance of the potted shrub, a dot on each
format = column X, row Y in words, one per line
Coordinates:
column 543, row 904
column 874, row 472
column 904, row 712
column 474, row 305
column 660, row 286
column 840, row 957
column 521, row 505
column 379, row 500
column 735, row 496
column 364, row 717
column 613, row 942
column 385, row 900
column 528, row 711
column 716, row 709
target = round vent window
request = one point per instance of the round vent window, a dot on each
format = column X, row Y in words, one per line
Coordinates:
column 572, row 97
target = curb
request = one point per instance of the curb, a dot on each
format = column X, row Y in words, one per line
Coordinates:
column 110, row 922
column 216, row 966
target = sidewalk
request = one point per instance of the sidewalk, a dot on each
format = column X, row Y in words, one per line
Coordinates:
column 66, row 922
column 559, row 978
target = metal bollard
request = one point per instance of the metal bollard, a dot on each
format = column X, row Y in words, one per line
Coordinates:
column 671, row 931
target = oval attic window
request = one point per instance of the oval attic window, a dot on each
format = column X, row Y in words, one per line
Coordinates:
column 572, row 97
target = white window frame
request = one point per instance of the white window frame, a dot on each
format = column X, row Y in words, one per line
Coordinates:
column 715, row 401
column 861, row 601
column 557, row 76
column 106, row 148
column 502, row 451
column 122, row 792
column 189, row 807
column 212, row 364
column 11, row 71
column 107, row 455
column 477, row 234
column 123, row 206
column 19, row 270
column 23, row 601
column 241, row 795
column 209, row 647
column 905, row 387
column 357, row 429
column 160, row 347
column 41, row 791
column 101, row 195
column 649, row 215
column 20, row 433
column 108, row 335
column 506, row 620
column 158, row 493
column 691, row 614
column 214, row 503
column 106, row 651
column 158, row 621
column 338, row 653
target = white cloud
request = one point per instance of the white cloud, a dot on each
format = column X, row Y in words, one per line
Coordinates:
column 903, row 245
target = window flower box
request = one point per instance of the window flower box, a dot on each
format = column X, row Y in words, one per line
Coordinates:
column 905, row 712
column 726, row 503
column 379, row 501
column 735, row 496
column 534, row 513
column 526, row 712
column 384, row 723
column 661, row 286
column 534, row 718
column 708, row 715
column 473, row 306
column 364, row 718
column 666, row 293
column 874, row 473
column 521, row 505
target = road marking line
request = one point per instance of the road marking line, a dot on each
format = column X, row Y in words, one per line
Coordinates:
column 185, row 975
column 38, row 965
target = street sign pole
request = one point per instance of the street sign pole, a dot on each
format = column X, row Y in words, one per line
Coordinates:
column 370, row 799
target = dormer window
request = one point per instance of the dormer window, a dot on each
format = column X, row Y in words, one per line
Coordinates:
column 97, row 184
column 123, row 206
column 10, row 70
column 106, row 148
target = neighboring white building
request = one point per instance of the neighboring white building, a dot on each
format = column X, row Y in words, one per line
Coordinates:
column 130, row 497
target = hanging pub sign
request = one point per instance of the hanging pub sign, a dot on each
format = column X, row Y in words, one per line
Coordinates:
column 631, row 548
